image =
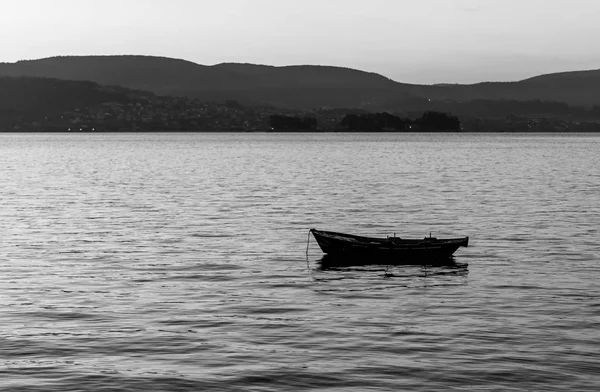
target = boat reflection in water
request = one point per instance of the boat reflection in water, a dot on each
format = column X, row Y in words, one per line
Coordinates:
column 443, row 269
column 332, row 262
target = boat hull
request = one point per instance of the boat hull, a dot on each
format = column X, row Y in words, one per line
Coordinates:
column 387, row 250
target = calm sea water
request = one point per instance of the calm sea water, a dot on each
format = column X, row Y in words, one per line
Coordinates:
column 175, row 262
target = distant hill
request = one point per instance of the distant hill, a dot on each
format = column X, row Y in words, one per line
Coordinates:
column 24, row 97
column 57, row 105
column 580, row 89
column 299, row 87
column 47, row 104
column 294, row 86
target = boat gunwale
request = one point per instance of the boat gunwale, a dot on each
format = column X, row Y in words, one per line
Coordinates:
column 390, row 242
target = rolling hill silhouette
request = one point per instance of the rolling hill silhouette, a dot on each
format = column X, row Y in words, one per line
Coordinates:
column 300, row 87
column 33, row 98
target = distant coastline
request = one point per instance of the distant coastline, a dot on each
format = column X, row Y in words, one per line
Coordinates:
column 52, row 105
column 41, row 96
column 496, row 130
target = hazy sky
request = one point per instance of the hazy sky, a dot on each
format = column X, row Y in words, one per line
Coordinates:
column 418, row 41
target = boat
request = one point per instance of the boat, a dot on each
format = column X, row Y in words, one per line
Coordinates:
column 390, row 250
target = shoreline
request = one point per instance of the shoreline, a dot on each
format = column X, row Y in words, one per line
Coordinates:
column 300, row 131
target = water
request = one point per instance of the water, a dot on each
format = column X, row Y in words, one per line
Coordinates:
column 177, row 262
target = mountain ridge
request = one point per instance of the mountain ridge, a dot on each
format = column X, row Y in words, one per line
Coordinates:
column 298, row 86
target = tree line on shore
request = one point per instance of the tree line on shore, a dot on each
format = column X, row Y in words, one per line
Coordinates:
column 280, row 122
column 371, row 122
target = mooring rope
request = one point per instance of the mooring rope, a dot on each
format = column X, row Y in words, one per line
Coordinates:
column 307, row 242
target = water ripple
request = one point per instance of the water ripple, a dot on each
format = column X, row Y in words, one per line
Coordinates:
column 177, row 262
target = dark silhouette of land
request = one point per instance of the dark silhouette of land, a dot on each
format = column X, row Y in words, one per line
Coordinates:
column 152, row 93
column 43, row 104
column 298, row 87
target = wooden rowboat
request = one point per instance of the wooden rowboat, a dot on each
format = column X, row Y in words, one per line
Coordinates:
column 394, row 250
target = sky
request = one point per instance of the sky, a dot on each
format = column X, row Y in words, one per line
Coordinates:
column 412, row 41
